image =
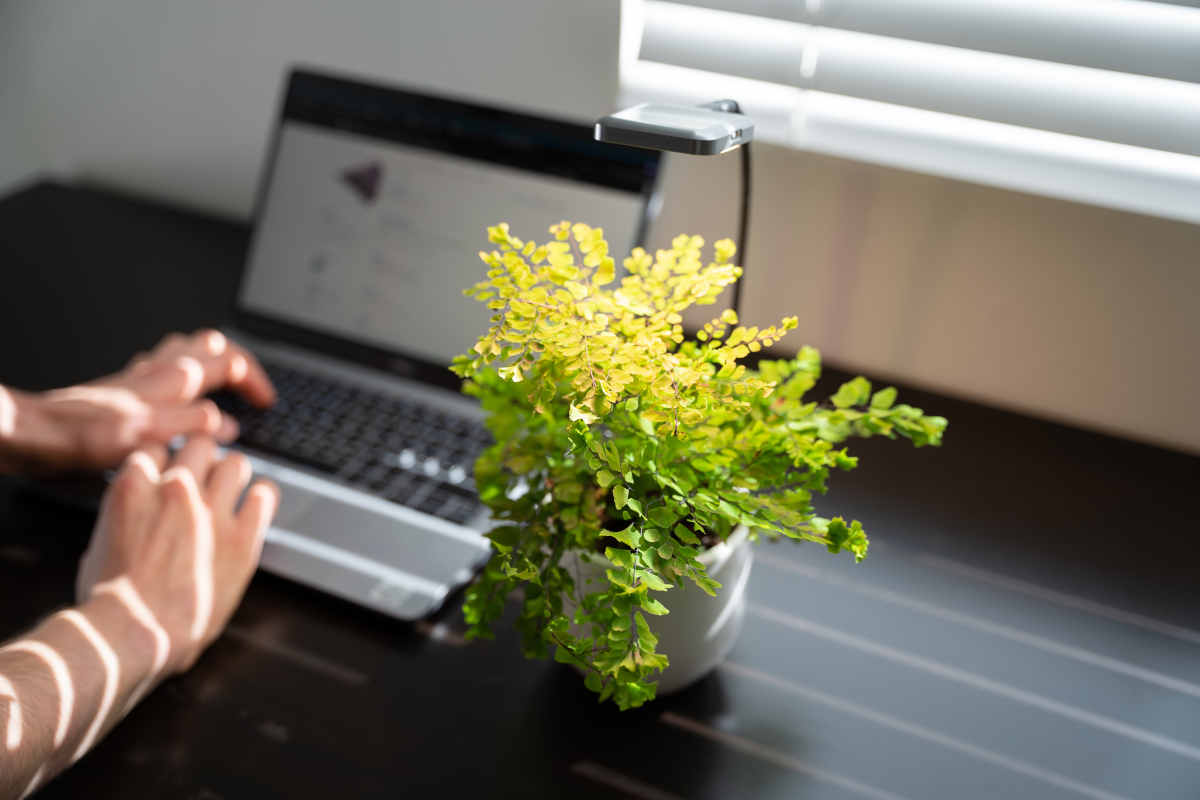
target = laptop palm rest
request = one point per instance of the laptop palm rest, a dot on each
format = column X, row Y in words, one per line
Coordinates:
column 369, row 551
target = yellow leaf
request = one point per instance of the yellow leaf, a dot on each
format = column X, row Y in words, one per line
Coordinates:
column 606, row 273
column 577, row 413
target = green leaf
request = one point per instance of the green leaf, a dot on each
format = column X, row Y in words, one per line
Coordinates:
column 850, row 537
column 884, row 398
column 652, row 535
column 605, row 478
column 646, row 639
column 662, row 516
column 647, row 427
column 635, row 506
column 707, row 584
column 652, row 581
column 627, row 536
column 620, row 495
column 655, row 661
column 619, row 578
column 505, row 538
column 852, row 393
column 568, row 492
column 685, row 534
column 652, row 606
column 622, row 558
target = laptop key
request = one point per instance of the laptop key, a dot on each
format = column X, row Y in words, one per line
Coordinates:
column 402, row 450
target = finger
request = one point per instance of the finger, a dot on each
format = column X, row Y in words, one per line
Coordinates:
column 129, row 500
column 138, row 365
column 249, row 378
column 211, row 351
column 223, row 363
column 171, row 345
column 228, row 430
column 226, row 481
column 196, row 456
column 176, row 381
column 209, row 342
column 184, row 516
column 137, row 479
column 196, row 418
column 236, row 369
column 256, row 513
column 157, row 453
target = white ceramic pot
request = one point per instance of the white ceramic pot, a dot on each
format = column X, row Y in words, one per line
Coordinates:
column 700, row 630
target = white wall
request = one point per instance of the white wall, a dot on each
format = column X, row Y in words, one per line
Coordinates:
column 175, row 98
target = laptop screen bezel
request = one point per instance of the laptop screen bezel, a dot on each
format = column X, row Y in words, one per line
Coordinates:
column 410, row 118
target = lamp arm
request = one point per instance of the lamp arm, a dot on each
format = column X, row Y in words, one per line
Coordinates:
column 743, row 224
column 731, row 107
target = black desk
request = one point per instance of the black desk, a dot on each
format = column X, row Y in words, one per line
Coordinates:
column 1027, row 625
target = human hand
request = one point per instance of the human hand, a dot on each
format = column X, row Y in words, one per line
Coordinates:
column 155, row 398
column 173, row 546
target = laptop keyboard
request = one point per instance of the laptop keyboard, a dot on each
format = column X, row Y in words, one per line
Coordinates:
column 399, row 449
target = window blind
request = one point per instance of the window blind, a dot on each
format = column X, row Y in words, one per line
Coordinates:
column 1089, row 100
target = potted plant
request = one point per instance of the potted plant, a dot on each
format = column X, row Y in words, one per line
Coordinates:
column 633, row 464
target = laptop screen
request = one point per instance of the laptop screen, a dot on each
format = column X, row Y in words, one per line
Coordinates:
column 376, row 203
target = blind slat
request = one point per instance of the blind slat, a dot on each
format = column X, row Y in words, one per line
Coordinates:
column 1056, row 165
column 1130, row 109
column 1145, row 38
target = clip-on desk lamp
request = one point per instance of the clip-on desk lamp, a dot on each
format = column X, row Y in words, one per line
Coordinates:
column 705, row 130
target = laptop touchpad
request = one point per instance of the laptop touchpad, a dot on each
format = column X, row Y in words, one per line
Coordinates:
column 358, row 546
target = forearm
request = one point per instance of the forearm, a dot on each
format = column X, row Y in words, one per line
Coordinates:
column 65, row 683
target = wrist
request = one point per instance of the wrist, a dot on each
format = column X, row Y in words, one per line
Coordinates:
column 8, row 427
column 25, row 429
column 133, row 643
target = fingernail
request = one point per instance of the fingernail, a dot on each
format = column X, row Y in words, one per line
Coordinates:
column 238, row 369
column 216, row 343
column 213, row 418
column 145, row 463
column 193, row 375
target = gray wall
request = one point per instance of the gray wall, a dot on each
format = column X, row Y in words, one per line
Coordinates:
column 1067, row 311
column 1070, row 312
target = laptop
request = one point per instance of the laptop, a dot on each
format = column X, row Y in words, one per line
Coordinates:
column 372, row 207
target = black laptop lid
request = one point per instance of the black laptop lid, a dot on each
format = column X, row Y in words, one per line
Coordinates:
column 374, row 203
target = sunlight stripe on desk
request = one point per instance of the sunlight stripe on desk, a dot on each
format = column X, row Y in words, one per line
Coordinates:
column 773, row 756
column 620, row 781
column 933, row 667
column 312, row 661
column 440, row 632
column 994, row 628
column 1062, row 598
column 921, row 732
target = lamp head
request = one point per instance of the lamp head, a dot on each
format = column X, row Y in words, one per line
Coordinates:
column 699, row 130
